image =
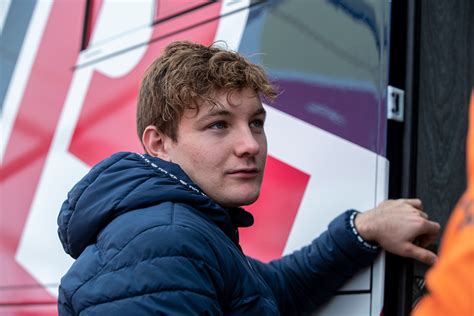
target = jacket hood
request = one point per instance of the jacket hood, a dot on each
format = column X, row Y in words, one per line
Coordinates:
column 128, row 181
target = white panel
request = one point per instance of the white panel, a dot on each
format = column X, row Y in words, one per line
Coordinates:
column 22, row 71
column 112, row 17
column 333, row 163
column 378, row 268
column 378, row 285
column 231, row 28
column 383, row 168
column 119, row 17
column 346, row 305
column 342, row 176
column 361, row 281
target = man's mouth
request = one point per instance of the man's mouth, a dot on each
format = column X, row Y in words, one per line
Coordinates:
column 244, row 172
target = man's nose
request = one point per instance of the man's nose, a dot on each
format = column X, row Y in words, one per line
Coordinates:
column 246, row 144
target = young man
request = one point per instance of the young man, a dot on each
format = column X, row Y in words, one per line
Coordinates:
column 157, row 233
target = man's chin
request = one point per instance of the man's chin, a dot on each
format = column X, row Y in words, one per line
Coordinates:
column 245, row 200
column 249, row 201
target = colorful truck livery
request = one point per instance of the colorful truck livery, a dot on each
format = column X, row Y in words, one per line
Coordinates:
column 70, row 72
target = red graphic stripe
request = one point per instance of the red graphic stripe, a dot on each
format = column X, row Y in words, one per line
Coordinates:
column 275, row 211
column 107, row 121
column 30, row 141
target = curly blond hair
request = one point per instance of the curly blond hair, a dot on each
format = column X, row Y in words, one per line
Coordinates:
column 187, row 75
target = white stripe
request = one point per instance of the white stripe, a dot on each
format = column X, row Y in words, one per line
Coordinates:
column 22, row 71
column 231, row 27
column 4, row 7
column 39, row 234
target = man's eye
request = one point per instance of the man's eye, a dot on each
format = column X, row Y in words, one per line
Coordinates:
column 218, row 125
column 256, row 124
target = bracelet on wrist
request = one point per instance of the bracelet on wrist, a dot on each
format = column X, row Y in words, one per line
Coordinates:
column 356, row 233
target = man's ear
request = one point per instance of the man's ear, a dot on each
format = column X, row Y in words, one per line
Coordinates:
column 155, row 142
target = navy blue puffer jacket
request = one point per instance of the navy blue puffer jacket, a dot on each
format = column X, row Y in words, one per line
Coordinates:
column 149, row 242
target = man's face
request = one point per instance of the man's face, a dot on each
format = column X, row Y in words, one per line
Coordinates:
column 223, row 148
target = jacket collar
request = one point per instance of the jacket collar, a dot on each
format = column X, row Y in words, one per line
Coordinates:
column 232, row 217
column 128, row 181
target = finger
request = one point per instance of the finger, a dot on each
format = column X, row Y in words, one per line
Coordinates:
column 425, row 240
column 423, row 214
column 431, row 228
column 421, row 254
column 416, row 203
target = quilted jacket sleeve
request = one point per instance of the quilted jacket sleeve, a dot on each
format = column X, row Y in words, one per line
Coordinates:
column 305, row 279
column 175, row 276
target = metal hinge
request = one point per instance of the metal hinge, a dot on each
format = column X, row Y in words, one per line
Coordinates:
column 395, row 104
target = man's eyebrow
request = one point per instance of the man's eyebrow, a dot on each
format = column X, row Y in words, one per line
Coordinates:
column 213, row 113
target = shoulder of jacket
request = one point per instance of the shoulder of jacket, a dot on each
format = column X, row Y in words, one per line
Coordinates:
column 154, row 228
column 144, row 262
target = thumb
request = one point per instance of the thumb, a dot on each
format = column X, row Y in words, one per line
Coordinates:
column 421, row 254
